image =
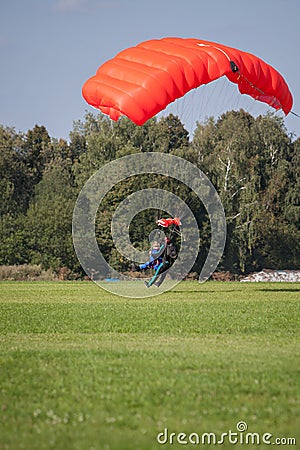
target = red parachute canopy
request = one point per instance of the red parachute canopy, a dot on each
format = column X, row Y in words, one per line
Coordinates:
column 141, row 81
column 167, row 222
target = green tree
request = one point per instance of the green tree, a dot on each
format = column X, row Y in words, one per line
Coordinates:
column 14, row 248
column 49, row 218
column 250, row 162
column 107, row 141
column 37, row 151
column 13, row 173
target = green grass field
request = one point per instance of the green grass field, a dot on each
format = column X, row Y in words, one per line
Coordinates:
column 82, row 369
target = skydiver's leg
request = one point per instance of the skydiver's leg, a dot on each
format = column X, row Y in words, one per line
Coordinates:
column 161, row 268
column 157, row 272
column 161, row 279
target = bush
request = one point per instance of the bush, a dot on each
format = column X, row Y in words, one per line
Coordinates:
column 25, row 272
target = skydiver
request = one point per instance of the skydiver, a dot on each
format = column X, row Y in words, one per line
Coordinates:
column 161, row 259
column 155, row 257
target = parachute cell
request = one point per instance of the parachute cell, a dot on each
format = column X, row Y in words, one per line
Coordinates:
column 141, row 81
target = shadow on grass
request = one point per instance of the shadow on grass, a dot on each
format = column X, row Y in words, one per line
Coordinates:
column 279, row 289
column 204, row 291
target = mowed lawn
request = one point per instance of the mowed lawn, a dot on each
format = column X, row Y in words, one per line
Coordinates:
column 82, row 369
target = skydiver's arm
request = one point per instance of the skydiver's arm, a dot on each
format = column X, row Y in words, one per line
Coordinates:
column 146, row 265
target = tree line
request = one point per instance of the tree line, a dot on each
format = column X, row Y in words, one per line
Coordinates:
column 252, row 162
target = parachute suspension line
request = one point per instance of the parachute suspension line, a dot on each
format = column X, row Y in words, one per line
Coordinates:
column 295, row 114
column 162, row 202
column 190, row 112
column 175, row 231
column 203, row 108
column 234, row 68
column 228, row 101
column 203, row 90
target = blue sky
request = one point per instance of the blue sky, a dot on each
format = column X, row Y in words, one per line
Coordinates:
column 49, row 48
